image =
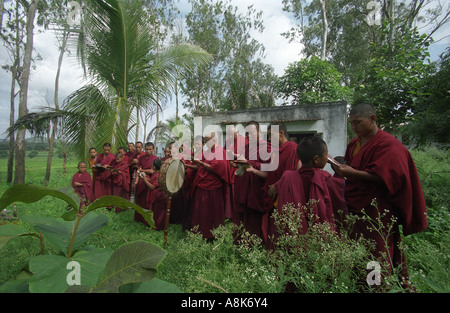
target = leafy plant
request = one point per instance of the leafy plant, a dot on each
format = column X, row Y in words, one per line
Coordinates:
column 100, row 269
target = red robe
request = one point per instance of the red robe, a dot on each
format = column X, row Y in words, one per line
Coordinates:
column 400, row 195
column 145, row 162
column 157, row 202
column 288, row 161
column 120, row 181
column 299, row 187
column 208, row 203
column 85, row 191
column 239, row 145
column 248, row 208
column 102, row 185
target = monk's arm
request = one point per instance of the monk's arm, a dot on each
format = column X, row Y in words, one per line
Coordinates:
column 348, row 171
column 149, row 185
column 259, row 173
column 206, row 166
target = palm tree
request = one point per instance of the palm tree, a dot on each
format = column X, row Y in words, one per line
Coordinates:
column 119, row 49
column 125, row 69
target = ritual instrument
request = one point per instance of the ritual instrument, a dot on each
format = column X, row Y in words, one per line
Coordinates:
column 171, row 178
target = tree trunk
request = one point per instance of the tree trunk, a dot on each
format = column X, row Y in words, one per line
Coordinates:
column 14, row 78
column 19, row 175
column 51, row 139
column 325, row 29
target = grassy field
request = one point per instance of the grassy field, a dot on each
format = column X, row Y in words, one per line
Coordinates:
column 197, row 266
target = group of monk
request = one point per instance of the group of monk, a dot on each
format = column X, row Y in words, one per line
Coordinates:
column 377, row 177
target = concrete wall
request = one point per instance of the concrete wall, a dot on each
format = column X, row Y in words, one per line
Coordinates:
column 327, row 120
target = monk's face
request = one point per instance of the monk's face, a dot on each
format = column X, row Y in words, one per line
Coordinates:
column 139, row 147
column 209, row 141
column 149, row 150
column 119, row 158
column 122, row 152
column 321, row 160
column 93, row 153
column 253, row 133
column 198, row 145
column 106, row 150
column 362, row 126
column 82, row 168
column 130, row 147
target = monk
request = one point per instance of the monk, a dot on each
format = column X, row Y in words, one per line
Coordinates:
column 82, row 184
column 235, row 145
column 208, row 203
column 131, row 149
column 310, row 182
column 167, row 154
column 103, row 186
column 284, row 158
column 120, row 177
column 199, row 143
column 156, row 198
column 382, row 180
column 145, row 168
column 248, row 207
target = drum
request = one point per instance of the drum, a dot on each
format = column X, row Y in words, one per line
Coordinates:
column 171, row 176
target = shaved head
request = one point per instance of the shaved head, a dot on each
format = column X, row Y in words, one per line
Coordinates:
column 363, row 110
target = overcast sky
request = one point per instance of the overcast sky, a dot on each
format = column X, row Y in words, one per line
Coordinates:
column 279, row 53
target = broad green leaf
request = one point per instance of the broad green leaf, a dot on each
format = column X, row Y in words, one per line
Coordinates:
column 15, row 286
column 131, row 263
column 10, row 231
column 50, row 271
column 107, row 201
column 31, row 193
column 59, row 232
column 151, row 286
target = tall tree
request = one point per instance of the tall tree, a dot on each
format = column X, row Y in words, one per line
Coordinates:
column 117, row 48
column 13, row 39
column 19, row 173
column 229, row 82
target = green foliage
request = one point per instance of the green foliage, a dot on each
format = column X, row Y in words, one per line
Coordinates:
column 430, row 121
column 102, row 269
column 312, row 80
column 392, row 80
column 320, row 260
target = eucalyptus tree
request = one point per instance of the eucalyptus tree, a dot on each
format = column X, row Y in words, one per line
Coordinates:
column 230, row 81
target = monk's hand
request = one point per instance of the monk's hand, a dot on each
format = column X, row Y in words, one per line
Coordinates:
column 344, row 170
column 272, row 191
column 250, row 169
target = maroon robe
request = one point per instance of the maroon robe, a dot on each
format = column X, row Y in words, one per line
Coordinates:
column 157, row 202
column 400, row 195
column 120, row 181
column 208, row 203
column 145, row 162
column 239, row 145
column 299, row 187
column 85, row 191
column 248, row 208
column 102, row 185
column 288, row 161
